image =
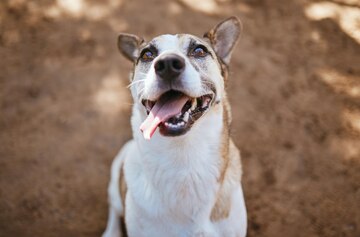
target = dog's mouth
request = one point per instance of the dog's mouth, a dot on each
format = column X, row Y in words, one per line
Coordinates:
column 174, row 113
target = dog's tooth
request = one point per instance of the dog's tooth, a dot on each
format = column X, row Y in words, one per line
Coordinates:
column 182, row 123
column 186, row 116
column 205, row 102
column 148, row 105
column 193, row 104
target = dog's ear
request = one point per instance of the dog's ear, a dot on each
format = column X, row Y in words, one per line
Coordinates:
column 224, row 36
column 129, row 44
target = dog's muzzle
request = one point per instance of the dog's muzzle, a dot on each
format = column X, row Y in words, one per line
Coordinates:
column 169, row 66
column 174, row 111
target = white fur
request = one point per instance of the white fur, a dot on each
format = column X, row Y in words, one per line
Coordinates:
column 173, row 181
column 190, row 78
column 160, row 170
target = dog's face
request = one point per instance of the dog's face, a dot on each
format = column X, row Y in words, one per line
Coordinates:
column 178, row 78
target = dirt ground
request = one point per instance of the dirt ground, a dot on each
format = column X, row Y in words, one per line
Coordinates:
column 65, row 108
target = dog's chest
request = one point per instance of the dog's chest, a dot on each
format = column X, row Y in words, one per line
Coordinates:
column 180, row 186
column 172, row 184
column 181, row 194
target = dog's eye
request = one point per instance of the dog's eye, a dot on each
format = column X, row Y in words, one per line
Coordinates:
column 147, row 55
column 199, row 52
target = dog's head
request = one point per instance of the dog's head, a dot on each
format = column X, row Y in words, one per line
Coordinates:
column 178, row 78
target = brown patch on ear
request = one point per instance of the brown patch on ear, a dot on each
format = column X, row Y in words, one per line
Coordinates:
column 129, row 45
column 224, row 73
column 211, row 36
column 223, row 37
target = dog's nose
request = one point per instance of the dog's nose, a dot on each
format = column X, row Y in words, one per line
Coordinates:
column 169, row 66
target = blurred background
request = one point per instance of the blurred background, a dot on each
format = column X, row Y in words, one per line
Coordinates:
column 294, row 89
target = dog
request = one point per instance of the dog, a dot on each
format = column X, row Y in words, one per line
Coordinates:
column 180, row 175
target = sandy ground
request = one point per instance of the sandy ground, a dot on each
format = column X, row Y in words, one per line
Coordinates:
column 65, row 108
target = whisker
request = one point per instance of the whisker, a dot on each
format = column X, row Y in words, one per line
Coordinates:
column 139, row 94
column 135, row 82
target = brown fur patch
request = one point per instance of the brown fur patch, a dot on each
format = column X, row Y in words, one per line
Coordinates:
column 222, row 205
column 123, row 227
column 123, row 191
column 232, row 177
column 225, row 141
column 221, row 209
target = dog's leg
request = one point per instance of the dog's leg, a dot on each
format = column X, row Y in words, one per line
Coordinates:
column 116, row 196
column 113, row 225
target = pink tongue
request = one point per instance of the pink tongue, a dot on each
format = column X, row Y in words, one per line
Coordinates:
column 166, row 107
